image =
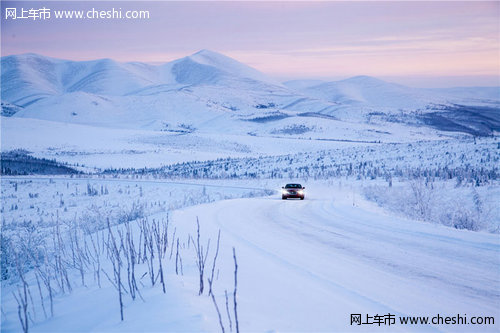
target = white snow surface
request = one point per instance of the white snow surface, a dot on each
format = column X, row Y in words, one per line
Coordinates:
column 303, row 266
column 208, row 91
column 110, row 147
column 307, row 265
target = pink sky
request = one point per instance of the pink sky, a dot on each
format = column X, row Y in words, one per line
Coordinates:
column 417, row 43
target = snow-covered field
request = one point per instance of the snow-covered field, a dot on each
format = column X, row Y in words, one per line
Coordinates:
column 302, row 265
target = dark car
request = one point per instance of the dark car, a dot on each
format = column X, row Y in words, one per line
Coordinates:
column 292, row 191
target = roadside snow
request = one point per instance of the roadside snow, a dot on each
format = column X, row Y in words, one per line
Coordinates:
column 303, row 266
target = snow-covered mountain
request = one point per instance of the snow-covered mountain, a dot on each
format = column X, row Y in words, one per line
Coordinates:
column 27, row 77
column 206, row 88
column 473, row 110
column 370, row 91
column 367, row 91
column 208, row 91
column 208, row 67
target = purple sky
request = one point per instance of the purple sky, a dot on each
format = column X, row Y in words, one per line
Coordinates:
column 416, row 43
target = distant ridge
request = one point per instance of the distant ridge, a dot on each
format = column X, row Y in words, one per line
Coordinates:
column 208, row 91
column 29, row 77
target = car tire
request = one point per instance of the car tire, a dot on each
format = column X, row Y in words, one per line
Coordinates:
column 283, row 197
column 301, row 198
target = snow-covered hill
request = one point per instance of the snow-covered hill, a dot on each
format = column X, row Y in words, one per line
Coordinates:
column 27, row 76
column 208, row 67
column 473, row 110
column 210, row 92
column 368, row 91
column 204, row 87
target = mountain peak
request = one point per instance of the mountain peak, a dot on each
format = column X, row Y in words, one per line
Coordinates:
column 215, row 66
column 212, row 58
column 206, row 52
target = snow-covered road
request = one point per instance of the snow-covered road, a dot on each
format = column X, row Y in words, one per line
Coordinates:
column 304, row 266
column 307, row 265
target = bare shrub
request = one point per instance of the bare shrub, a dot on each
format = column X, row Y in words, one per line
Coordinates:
column 201, row 256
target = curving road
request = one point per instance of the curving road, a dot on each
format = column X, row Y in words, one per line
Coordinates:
column 307, row 265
